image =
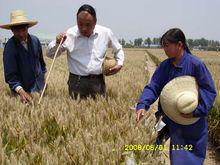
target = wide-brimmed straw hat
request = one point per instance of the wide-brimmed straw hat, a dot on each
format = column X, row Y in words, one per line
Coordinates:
column 108, row 63
column 180, row 95
column 18, row 17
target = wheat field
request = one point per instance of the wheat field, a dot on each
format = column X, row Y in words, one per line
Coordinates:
column 65, row 131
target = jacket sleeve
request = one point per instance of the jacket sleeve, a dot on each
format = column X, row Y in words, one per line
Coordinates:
column 11, row 71
column 151, row 92
column 207, row 91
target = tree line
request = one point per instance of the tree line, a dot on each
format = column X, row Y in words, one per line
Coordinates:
column 201, row 44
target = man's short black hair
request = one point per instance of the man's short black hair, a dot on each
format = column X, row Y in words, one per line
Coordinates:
column 89, row 9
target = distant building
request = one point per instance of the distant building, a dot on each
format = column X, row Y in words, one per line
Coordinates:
column 152, row 45
column 44, row 42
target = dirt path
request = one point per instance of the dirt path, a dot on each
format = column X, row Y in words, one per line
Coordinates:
column 212, row 156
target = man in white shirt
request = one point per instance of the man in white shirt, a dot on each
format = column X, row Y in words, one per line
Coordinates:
column 86, row 45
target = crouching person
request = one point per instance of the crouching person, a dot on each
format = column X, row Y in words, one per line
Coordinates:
column 24, row 66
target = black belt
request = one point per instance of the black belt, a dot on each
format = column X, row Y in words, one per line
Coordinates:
column 91, row 76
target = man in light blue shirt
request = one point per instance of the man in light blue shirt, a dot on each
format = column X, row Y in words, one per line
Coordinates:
column 86, row 45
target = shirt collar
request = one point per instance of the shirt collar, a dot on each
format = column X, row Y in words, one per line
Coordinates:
column 95, row 32
column 180, row 64
column 24, row 42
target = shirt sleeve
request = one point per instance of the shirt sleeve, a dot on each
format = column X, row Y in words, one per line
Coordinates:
column 18, row 88
column 11, row 71
column 207, row 91
column 52, row 48
column 151, row 92
column 117, row 48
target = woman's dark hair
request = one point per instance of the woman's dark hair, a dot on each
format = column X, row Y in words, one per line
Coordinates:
column 174, row 36
column 89, row 9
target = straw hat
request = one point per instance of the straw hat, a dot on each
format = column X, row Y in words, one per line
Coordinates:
column 18, row 17
column 108, row 63
column 180, row 95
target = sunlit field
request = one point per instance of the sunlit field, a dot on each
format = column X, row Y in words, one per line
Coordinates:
column 65, row 131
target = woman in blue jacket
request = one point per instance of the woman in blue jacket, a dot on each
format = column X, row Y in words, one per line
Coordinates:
column 181, row 62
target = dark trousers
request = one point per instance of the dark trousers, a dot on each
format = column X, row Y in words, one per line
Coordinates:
column 86, row 86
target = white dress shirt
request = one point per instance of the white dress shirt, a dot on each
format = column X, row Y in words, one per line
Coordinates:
column 85, row 55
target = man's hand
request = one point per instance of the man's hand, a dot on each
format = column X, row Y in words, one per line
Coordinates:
column 25, row 97
column 60, row 36
column 114, row 70
column 139, row 114
column 188, row 115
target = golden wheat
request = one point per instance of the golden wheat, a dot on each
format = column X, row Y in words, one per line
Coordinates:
column 65, row 131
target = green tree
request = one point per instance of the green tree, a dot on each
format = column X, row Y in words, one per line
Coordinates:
column 190, row 43
column 138, row 42
column 123, row 42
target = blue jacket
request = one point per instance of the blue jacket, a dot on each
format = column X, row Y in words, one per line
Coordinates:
column 25, row 68
column 181, row 135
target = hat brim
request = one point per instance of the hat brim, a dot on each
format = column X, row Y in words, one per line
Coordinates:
column 8, row 26
column 177, row 85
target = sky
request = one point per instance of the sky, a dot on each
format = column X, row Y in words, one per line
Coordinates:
column 127, row 19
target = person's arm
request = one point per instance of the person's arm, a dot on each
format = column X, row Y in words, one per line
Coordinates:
column 52, row 47
column 12, row 76
column 118, row 53
column 150, row 94
column 11, row 73
column 207, row 92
